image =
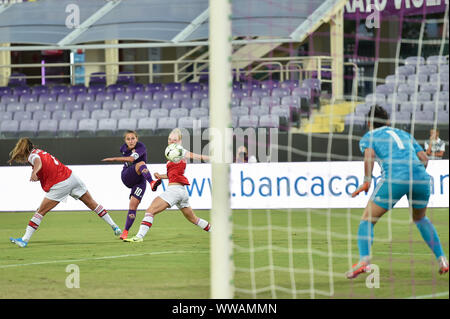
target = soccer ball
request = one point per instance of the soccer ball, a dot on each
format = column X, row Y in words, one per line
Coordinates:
column 174, row 152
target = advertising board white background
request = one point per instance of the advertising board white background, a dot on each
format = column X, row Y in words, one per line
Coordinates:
column 253, row 186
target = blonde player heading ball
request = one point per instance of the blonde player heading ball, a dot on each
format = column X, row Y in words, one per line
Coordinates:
column 176, row 193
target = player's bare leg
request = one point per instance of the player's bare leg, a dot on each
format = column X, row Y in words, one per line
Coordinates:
column 100, row 211
column 190, row 216
column 372, row 213
column 46, row 206
column 157, row 206
column 430, row 236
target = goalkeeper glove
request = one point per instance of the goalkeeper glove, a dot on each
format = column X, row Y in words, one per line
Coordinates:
column 364, row 187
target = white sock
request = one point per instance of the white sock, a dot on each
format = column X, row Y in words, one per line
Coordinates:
column 203, row 224
column 146, row 223
column 33, row 225
column 101, row 212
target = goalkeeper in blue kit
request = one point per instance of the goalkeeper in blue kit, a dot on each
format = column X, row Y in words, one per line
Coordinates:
column 403, row 165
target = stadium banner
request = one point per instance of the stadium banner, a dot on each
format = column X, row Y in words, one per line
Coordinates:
column 356, row 9
column 253, row 186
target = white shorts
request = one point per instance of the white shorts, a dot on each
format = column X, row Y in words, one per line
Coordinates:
column 176, row 195
column 72, row 186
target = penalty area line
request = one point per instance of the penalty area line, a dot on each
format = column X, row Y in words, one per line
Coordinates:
column 99, row 258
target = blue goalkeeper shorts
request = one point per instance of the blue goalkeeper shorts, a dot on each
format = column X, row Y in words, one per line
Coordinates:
column 387, row 194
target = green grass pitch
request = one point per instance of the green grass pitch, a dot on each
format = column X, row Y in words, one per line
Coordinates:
column 173, row 261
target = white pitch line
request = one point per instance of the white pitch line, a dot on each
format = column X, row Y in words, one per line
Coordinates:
column 99, row 258
column 439, row 294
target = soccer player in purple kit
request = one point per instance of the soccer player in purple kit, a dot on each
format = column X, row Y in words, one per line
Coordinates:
column 135, row 174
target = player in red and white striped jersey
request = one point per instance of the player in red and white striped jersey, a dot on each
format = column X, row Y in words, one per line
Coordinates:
column 58, row 181
column 176, row 193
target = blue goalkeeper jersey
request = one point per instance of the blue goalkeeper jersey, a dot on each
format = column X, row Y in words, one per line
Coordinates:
column 396, row 153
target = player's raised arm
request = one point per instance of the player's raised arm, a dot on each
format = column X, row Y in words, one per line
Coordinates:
column 37, row 165
column 369, row 162
column 119, row 159
column 423, row 158
column 195, row 156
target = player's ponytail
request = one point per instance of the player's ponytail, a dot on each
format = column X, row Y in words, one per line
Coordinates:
column 21, row 151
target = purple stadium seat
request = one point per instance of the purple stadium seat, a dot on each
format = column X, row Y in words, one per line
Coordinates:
column 135, row 87
column 125, row 77
column 77, row 89
column 385, row 89
column 250, row 101
column 354, row 120
column 157, row 113
column 177, row 113
column 173, row 86
column 139, row 113
column 186, row 122
column 67, row 127
column 65, row 97
column 190, row 104
column 151, row 104
column 47, row 128
column 406, row 88
column 441, row 96
column 204, row 103
column 395, row 79
column 20, row 90
column 111, row 105
column 86, row 127
column 240, row 110
column 126, row 124
column 106, row 127
column 28, row 127
column 22, row 115
column 104, row 96
column 410, row 107
column 234, row 121
column 40, row 89
column 2, row 107
column 73, row 106
column 15, row 107
column 374, row 98
column 398, row 98
column 294, row 101
column 424, row 117
column 434, row 106
column 97, row 78
column 199, row 112
column 61, row 114
column 415, row 60
column 85, row 97
column 239, row 94
column 290, row 84
column 42, row 115
column 142, row 95
column 442, row 117
column 119, row 114
column 420, row 97
column 270, row 101
column 437, row 59
column 47, row 97
column 260, row 93
column 444, row 70
column 9, row 128
column 445, row 87
column 4, row 90
column 167, row 123
column 418, row 78
column 99, row 114
column 28, row 98
column 115, row 88
column 191, row 86
column 282, row 111
column 34, row 106
column 54, row 106
column 97, row 88
column 280, row 92
column 181, row 95
column 81, row 114
column 198, row 95
column 92, row 105
column 123, row 96
column 363, row 108
column 427, row 69
column 170, row 104
column 260, row 110
column 153, row 87
column 248, row 121
column 269, row 120
column 406, row 70
column 147, row 125
column 163, row 95
column 59, row 89
column 429, row 87
column 269, row 84
column 203, row 122
column 401, row 117
column 131, row 105
column 235, row 102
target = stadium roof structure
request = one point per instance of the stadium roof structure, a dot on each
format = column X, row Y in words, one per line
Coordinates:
column 50, row 24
